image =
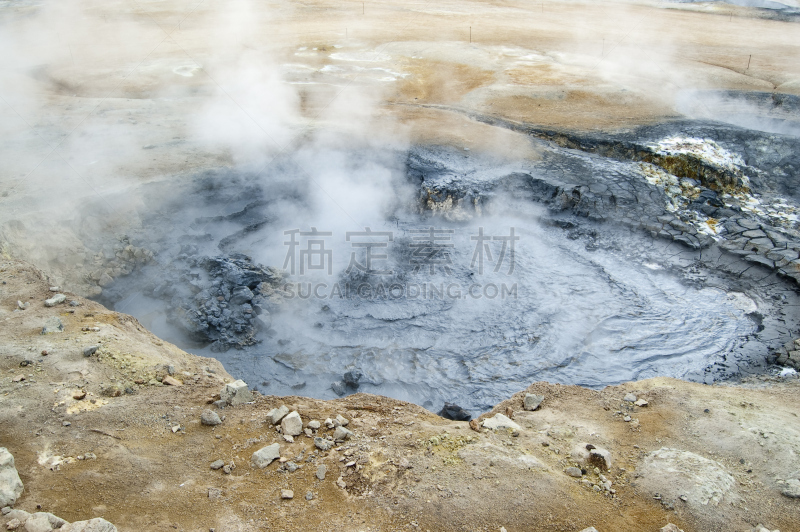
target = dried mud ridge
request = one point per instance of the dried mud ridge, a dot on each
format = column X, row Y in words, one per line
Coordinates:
column 162, row 456
column 717, row 190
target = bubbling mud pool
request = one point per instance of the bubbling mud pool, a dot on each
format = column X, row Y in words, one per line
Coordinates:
column 565, row 314
column 613, row 276
column 561, row 306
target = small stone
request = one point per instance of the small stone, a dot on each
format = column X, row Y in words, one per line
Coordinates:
column 600, row 458
column 322, row 444
column 342, row 420
column 573, row 472
column 240, row 295
column 74, row 303
column 590, row 529
column 792, row 489
column 321, row 470
column 629, row 398
column 10, row 483
column 217, row 465
column 171, row 381
column 55, row 300
column 288, row 439
column 499, row 421
column 53, row 325
column 210, row 418
column 308, row 432
column 352, row 379
column 338, row 388
column 669, row 527
column 329, row 423
column 227, row 469
column 341, row 483
column 532, row 402
column 454, row 412
column 277, row 414
column 23, row 306
column 309, row 496
column 264, row 456
column 105, row 279
column 18, row 378
column 292, row 424
column 89, row 351
column 314, row 425
column 236, row 393
column 287, row 494
column 341, row 434
column 640, row 402
column 65, row 424
column 55, row 288
column 98, row 524
column 13, row 524
column 79, row 395
column 626, row 418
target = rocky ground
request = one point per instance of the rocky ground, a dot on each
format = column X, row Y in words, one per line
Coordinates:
column 104, row 420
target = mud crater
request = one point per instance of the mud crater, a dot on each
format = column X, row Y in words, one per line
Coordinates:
column 618, row 275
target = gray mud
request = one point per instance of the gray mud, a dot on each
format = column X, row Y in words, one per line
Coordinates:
column 616, row 275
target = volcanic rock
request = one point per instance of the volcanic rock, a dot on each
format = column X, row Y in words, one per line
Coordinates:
column 454, row 412
column 264, row 456
column 292, row 424
column 532, row 402
column 10, row 483
column 499, row 421
column 210, row 418
column 236, row 393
